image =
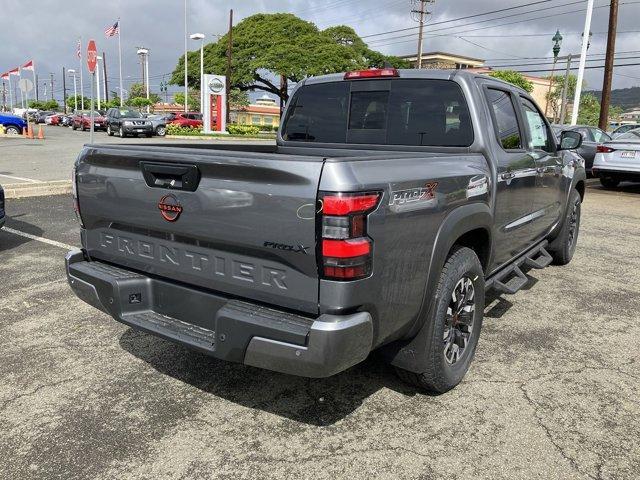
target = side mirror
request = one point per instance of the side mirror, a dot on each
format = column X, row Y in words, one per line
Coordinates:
column 570, row 140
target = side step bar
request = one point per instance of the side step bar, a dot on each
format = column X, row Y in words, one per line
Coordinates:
column 511, row 278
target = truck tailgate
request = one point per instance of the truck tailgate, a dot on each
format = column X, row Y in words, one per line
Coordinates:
column 240, row 223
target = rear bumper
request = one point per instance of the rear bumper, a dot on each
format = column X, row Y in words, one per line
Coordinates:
column 617, row 172
column 228, row 329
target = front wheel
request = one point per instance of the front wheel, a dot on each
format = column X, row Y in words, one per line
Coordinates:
column 12, row 130
column 454, row 324
column 564, row 246
column 121, row 133
column 609, row 182
column 109, row 131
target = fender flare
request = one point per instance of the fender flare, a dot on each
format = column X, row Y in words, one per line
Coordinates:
column 411, row 354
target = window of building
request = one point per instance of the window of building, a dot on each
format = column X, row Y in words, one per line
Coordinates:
column 255, row 120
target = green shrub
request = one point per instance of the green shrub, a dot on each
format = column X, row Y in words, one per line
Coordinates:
column 234, row 129
column 173, row 129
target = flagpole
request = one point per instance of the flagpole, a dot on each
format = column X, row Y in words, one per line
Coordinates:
column 81, row 83
column 33, row 70
column 10, row 93
column 120, row 62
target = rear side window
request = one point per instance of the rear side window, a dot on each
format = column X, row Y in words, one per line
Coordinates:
column 540, row 137
column 506, row 121
column 421, row 112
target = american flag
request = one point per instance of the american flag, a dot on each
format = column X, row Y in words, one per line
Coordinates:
column 113, row 29
column 79, row 50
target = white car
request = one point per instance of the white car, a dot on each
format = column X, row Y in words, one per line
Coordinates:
column 618, row 160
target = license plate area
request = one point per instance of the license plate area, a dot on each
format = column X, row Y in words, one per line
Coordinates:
column 628, row 154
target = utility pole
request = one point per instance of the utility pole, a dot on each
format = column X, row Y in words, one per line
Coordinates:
column 104, row 69
column 51, row 74
column 419, row 14
column 603, row 123
column 583, row 60
column 4, row 97
column 37, row 93
column 64, row 90
column 229, row 56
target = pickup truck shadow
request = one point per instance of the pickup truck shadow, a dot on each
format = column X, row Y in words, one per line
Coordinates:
column 318, row 402
column 625, row 187
column 9, row 241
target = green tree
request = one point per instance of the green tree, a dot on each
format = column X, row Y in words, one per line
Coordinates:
column 513, row 77
column 238, row 98
column 269, row 46
column 114, row 102
column 139, row 102
column 194, row 99
column 44, row 104
column 555, row 96
column 589, row 113
column 71, row 103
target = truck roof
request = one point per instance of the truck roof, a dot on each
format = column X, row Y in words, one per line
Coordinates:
column 413, row 73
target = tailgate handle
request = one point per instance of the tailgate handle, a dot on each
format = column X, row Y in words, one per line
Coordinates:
column 173, row 177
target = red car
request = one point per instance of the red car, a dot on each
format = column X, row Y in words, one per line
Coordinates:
column 82, row 121
column 189, row 119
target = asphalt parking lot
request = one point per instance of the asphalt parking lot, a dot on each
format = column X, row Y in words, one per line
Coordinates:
column 553, row 393
column 32, row 161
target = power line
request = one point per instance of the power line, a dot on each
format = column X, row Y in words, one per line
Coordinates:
column 461, row 18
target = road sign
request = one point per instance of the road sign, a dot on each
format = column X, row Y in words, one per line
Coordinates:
column 92, row 56
column 26, row 85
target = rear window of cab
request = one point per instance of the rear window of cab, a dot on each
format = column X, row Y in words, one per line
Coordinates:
column 418, row 112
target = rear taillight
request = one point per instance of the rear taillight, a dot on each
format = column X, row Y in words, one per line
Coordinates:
column 74, row 192
column 346, row 250
column 604, row 149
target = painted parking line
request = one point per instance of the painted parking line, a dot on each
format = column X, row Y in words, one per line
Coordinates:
column 38, row 239
column 22, row 179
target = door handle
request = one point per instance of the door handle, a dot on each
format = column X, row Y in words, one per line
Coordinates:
column 507, row 175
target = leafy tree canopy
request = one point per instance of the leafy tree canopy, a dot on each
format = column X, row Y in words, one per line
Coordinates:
column 44, row 105
column 270, row 45
column 513, row 77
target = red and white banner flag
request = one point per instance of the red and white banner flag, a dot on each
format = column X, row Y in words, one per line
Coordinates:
column 28, row 66
column 15, row 71
column 5, row 76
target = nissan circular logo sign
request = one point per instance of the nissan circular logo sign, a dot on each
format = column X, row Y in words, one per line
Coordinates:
column 216, row 86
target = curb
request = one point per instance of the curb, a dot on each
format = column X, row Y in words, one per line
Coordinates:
column 41, row 189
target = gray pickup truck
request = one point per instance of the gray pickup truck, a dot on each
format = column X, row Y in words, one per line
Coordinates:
column 391, row 202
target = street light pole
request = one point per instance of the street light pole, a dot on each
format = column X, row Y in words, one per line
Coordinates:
column 75, row 89
column 186, row 66
column 583, row 60
column 200, row 36
column 557, row 39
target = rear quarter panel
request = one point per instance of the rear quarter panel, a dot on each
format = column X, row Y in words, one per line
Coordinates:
column 404, row 232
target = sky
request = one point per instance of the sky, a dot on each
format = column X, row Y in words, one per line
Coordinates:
column 47, row 32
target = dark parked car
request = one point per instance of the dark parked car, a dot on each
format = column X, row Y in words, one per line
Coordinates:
column 40, row 116
column 125, row 122
column 159, row 123
column 592, row 137
column 391, row 202
column 13, row 125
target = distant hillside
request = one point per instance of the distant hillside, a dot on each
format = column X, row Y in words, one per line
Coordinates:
column 627, row 98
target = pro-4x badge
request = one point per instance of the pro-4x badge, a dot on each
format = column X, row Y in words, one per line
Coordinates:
column 170, row 208
column 413, row 198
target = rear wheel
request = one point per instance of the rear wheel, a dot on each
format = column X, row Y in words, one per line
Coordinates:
column 161, row 131
column 609, row 182
column 454, row 324
column 564, row 246
column 12, row 130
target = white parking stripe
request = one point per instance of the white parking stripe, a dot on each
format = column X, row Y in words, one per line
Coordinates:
column 22, row 179
column 38, row 239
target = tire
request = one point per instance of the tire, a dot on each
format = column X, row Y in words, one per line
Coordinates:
column 121, row 133
column 564, row 246
column 12, row 130
column 609, row 182
column 109, row 131
column 449, row 332
column 161, row 131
